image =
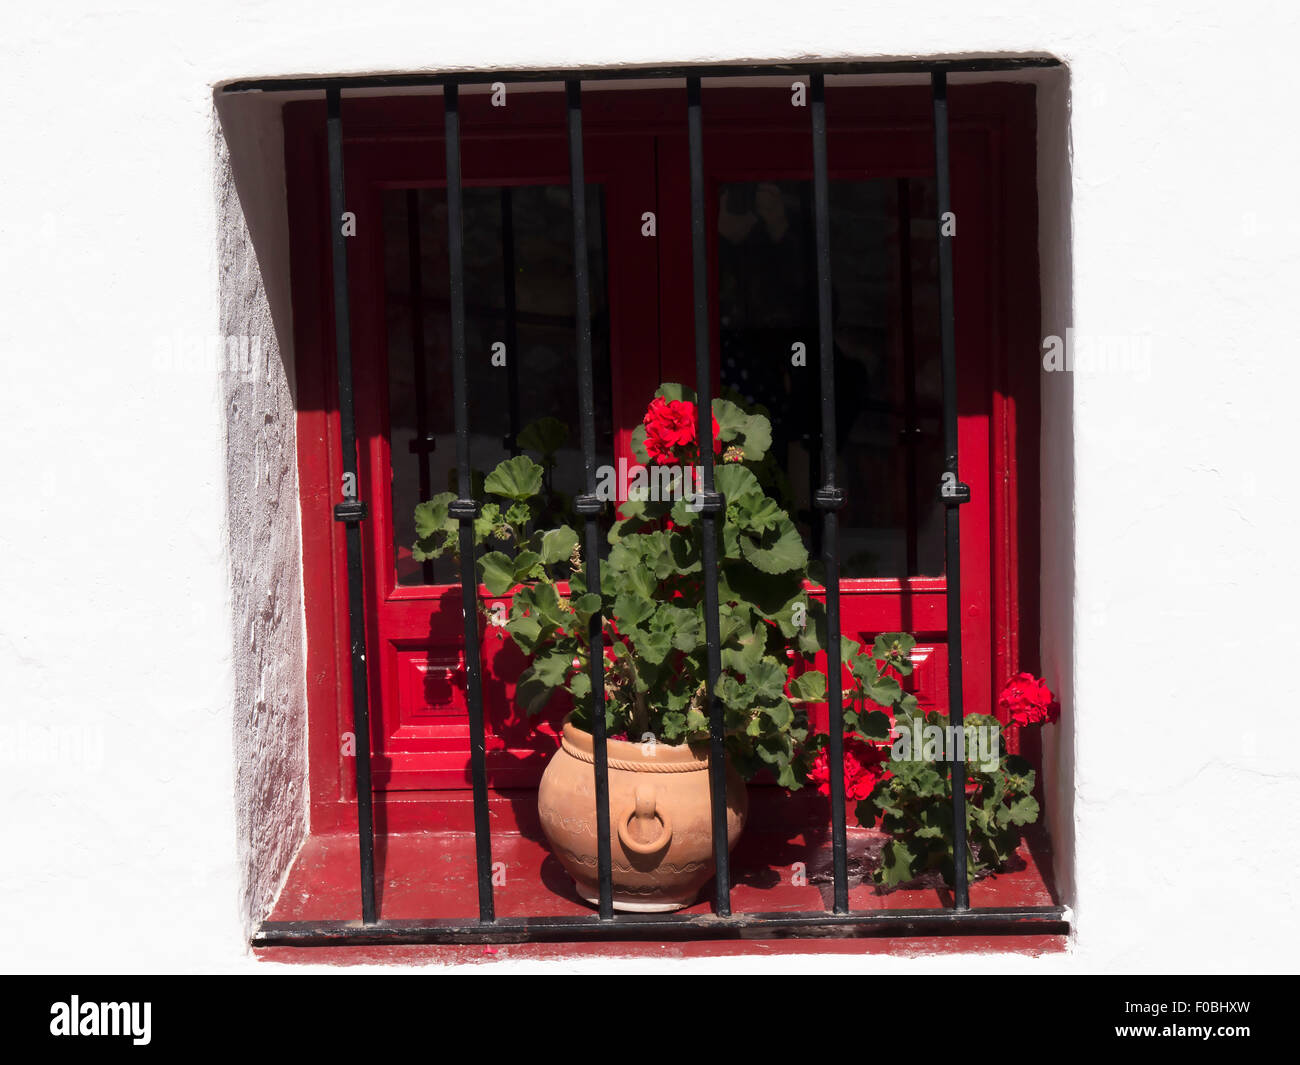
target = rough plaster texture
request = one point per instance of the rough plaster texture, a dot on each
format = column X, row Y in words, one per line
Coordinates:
column 1056, row 472
column 127, row 500
column 270, row 704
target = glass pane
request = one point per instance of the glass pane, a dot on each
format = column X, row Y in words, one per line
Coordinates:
column 518, row 254
column 887, row 363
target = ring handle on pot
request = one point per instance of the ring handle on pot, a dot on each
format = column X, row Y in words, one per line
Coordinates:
column 644, row 810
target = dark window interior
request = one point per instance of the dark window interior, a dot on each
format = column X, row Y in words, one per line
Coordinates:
column 518, row 254
column 887, row 371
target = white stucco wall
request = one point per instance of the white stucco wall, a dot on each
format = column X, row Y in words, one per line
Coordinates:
column 150, row 627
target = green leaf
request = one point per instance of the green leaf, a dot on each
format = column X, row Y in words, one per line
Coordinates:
column 628, row 568
column 769, row 594
column 432, row 547
column 765, row 515
column 558, row 544
column 525, row 563
column 532, row 694
column 630, row 610
column 812, row 637
column 673, row 724
column 528, row 632
column 781, row 715
column 553, row 668
column 431, row 517
column 786, row 778
column 766, row 679
column 652, row 646
column 810, row 686
column 849, row 650
column 874, row 725
column 580, row 685
column 638, row 445
column 738, row 484
column 519, row 515
column 671, row 390
column 732, row 692
column 1024, row 811
column 488, row 520
column 538, row 682
column 546, row 602
column 895, row 864
column 585, row 605
column 730, row 540
column 745, row 651
column 684, row 626
column 752, row 433
column 546, row 435
column 686, row 554
column 498, row 571
column 517, row 478
column 886, row 691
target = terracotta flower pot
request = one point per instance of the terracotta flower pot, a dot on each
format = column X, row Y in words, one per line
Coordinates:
column 661, row 835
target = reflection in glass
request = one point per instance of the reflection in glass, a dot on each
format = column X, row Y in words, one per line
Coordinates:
column 884, row 262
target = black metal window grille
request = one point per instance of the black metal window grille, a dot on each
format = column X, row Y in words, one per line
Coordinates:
column 605, row 924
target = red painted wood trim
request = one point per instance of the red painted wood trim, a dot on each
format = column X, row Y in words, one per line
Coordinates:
column 1005, row 115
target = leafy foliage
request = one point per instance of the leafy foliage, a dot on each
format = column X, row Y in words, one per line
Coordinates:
column 648, row 620
column 912, row 799
column 914, row 805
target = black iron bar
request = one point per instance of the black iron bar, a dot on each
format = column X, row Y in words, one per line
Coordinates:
column 510, row 281
column 424, row 440
column 710, row 503
column 351, row 510
column 465, row 508
column 952, row 491
column 829, row 498
column 909, row 436
column 588, row 504
column 1023, row 920
column 809, row 322
column 487, row 77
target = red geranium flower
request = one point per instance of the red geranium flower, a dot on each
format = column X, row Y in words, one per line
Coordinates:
column 1027, row 700
column 864, row 766
column 670, row 434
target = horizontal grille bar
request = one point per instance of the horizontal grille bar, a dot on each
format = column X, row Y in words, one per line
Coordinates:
column 1022, row 920
column 487, row 77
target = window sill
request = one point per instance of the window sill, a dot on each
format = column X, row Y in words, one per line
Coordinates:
column 430, row 875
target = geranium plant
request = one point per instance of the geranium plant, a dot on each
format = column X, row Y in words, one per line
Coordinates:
column 896, row 765
column 652, row 592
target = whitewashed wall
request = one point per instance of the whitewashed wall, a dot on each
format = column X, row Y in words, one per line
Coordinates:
column 150, row 610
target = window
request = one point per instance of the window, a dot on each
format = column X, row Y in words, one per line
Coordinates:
column 520, row 334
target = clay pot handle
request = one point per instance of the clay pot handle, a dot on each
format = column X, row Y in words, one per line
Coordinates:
column 644, row 809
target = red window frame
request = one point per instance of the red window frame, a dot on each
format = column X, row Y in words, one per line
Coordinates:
column 998, row 119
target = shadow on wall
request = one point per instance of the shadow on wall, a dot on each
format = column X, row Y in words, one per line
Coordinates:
column 1056, row 471
column 251, row 355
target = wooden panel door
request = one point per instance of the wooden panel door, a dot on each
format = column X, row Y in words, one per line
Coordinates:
column 520, row 347
column 757, row 161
